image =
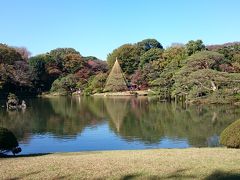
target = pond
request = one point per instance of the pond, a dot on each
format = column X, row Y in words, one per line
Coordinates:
column 66, row 124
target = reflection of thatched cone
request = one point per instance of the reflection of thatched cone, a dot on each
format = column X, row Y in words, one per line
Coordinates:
column 117, row 110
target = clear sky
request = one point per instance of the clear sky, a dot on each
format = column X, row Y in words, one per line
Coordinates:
column 96, row 27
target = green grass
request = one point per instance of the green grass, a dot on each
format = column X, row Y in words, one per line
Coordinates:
column 193, row 163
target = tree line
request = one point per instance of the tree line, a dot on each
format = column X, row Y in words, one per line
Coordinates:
column 201, row 72
column 63, row 70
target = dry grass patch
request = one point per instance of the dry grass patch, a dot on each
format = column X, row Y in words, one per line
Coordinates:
column 191, row 163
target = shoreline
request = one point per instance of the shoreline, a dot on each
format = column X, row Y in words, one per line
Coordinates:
column 112, row 150
column 144, row 93
column 191, row 163
column 124, row 93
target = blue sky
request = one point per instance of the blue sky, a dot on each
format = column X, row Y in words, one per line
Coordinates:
column 96, row 27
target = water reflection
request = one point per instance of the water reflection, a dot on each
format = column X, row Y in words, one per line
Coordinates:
column 150, row 121
column 143, row 119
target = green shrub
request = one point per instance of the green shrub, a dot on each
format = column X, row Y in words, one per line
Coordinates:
column 8, row 141
column 230, row 136
column 64, row 85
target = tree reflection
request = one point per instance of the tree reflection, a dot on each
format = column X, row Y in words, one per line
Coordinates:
column 149, row 121
column 144, row 119
column 58, row 116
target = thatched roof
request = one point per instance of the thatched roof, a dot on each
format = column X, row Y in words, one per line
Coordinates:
column 116, row 81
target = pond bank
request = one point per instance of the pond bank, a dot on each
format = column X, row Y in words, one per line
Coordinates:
column 150, row 93
column 192, row 163
column 124, row 93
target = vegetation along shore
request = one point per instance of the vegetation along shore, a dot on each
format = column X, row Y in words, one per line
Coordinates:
column 191, row 72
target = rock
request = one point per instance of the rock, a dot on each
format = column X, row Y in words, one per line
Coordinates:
column 13, row 103
column 237, row 103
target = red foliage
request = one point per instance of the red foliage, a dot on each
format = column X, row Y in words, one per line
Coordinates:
column 97, row 66
column 53, row 71
column 23, row 52
column 227, row 68
column 219, row 46
column 83, row 73
column 138, row 80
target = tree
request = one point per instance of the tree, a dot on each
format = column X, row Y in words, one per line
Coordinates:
column 128, row 55
column 176, row 53
column 96, row 65
column 97, row 83
column 203, row 60
column 236, row 63
column 59, row 57
column 151, row 55
column 173, row 58
column 23, row 52
column 15, row 73
column 16, row 77
column 148, row 44
column 153, row 69
column 200, row 77
column 194, row 46
column 72, row 63
column 9, row 55
column 21, row 75
column 65, row 85
column 229, row 50
column 46, row 71
column 139, row 78
column 60, row 53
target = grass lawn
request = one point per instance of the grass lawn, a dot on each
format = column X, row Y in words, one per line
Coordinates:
column 193, row 163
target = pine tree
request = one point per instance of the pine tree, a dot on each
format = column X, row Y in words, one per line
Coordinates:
column 116, row 81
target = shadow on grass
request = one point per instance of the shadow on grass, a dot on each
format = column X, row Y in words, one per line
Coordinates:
column 34, row 173
column 221, row 175
column 59, row 154
column 130, row 176
column 25, row 175
column 178, row 174
column 23, row 155
column 78, row 153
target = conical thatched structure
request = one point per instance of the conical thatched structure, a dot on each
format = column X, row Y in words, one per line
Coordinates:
column 116, row 81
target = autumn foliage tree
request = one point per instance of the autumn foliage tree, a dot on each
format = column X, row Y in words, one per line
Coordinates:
column 25, row 54
column 15, row 74
column 194, row 69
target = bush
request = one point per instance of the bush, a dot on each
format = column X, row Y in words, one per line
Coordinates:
column 65, row 85
column 230, row 136
column 8, row 141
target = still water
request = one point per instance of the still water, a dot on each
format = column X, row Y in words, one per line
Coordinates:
column 64, row 124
